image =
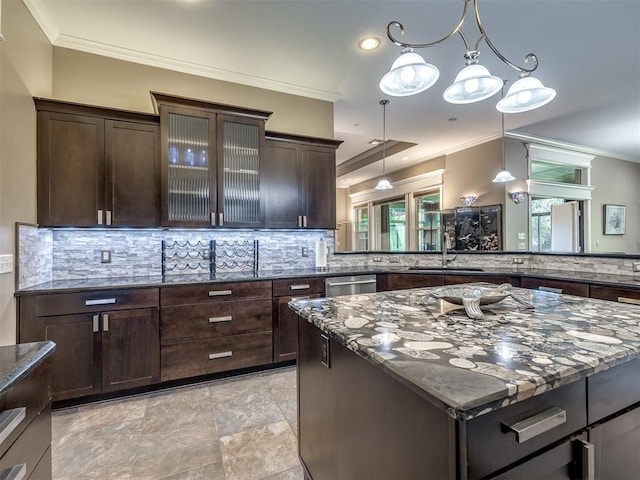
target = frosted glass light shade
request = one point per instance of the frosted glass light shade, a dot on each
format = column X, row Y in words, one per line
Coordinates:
column 526, row 94
column 409, row 75
column 473, row 84
column 384, row 184
column 503, row 176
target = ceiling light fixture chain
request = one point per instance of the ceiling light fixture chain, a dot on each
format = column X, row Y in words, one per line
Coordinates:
column 410, row 74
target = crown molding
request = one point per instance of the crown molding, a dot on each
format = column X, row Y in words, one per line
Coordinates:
column 571, row 146
column 39, row 13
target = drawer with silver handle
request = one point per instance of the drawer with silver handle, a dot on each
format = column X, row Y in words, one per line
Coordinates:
column 221, row 292
column 89, row 302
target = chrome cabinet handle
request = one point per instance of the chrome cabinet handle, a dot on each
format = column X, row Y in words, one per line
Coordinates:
column 342, row 284
column 304, row 220
column 228, row 318
column 108, row 217
column 96, row 323
column 550, row 289
column 17, row 472
column 220, row 293
column 537, row 424
column 105, row 322
column 100, row 301
column 215, row 356
column 299, row 221
column 9, row 421
column 99, row 217
column 213, row 219
column 632, row 301
column 587, row 460
column 220, row 219
column 300, row 287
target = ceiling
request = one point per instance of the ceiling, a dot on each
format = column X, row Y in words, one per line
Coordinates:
column 589, row 52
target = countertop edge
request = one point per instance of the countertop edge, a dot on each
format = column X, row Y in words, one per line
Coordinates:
column 25, row 363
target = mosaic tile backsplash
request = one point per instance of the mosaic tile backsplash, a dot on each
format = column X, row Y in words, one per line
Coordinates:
column 67, row 254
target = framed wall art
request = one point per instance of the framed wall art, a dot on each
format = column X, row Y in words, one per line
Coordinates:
column 614, row 219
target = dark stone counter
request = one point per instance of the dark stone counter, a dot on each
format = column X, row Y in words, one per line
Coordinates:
column 16, row 361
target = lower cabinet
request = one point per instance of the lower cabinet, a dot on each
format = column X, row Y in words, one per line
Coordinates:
column 106, row 341
column 616, row 445
column 622, row 295
column 214, row 328
column 400, row 281
column 25, row 445
column 555, row 286
column 454, row 279
column 285, row 321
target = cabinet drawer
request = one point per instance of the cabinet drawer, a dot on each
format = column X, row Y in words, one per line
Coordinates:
column 83, row 302
column 492, row 444
column 213, row 355
column 454, row 279
column 30, row 447
column 413, row 280
column 31, row 394
column 621, row 295
column 220, row 292
column 191, row 322
column 556, row 286
column 623, row 379
column 297, row 286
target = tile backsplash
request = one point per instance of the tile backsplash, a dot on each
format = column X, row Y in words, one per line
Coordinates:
column 67, row 254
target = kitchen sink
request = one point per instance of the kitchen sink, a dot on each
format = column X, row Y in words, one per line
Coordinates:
column 453, row 269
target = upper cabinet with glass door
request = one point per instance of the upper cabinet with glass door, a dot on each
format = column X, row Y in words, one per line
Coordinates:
column 210, row 163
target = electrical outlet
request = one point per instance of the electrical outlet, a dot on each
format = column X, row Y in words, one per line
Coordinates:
column 304, row 251
column 394, row 260
column 636, row 266
column 518, row 261
column 6, row 263
column 105, row 256
column 377, row 259
column 522, row 246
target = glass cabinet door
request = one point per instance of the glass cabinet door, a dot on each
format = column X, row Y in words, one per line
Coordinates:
column 239, row 171
column 189, row 163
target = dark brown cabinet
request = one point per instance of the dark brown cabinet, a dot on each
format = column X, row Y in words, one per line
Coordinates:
column 622, row 295
column 285, row 321
column 211, row 163
column 299, row 179
column 215, row 328
column 109, row 157
column 400, row 281
column 25, row 446
column 455, row 279
column 555, row 286
column 106, row 341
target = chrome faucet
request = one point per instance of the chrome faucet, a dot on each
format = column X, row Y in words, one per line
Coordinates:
column 446, row 245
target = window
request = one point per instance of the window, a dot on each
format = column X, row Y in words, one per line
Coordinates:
column 553, row 172
column 361, row 228
column 541, row 223
column 428, row 221
column 390, row 225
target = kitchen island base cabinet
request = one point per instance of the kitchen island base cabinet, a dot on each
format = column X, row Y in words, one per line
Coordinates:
column 356, row 422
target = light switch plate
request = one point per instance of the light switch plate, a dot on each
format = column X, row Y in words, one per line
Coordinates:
column 6, row 263
column 636, row 266
column 522, row 236
column 105, row 256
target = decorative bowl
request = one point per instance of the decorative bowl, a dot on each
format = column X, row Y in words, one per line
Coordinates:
column 486, row 295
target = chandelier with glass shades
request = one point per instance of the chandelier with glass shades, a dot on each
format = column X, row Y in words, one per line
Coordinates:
column 411, row 74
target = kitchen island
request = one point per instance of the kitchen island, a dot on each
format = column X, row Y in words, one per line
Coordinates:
column 401, row 385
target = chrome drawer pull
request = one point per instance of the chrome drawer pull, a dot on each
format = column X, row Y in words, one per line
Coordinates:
column 17, row 472
column 300, row 287
column 108, row 217
column 215, row 356
column 537, row 424
column 220, row 293
column 632, row 301
column 550, row 289
column 587, row 460
column 99, row 217
column 228, row 318
column 105, row 322
column 9, row 421
column 96, row 323
column 356, row 282
column 100, row 301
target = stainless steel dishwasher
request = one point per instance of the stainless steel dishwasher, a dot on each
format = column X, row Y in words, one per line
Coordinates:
column 351, row 285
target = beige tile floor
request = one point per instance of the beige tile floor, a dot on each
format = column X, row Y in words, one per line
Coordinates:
column 232, row 429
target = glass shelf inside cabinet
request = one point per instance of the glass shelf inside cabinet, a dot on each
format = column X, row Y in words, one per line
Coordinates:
column 188, row 179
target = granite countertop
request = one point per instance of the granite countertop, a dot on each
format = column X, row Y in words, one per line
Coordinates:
column 61, row 286
column 471, row 367
column 16, row 361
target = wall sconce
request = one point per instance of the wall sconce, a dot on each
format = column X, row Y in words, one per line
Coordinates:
column 469, row 200
column 518, row 197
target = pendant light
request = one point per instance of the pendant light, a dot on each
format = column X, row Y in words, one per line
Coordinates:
column 503, row 175
column 410, row 74
column 384, row 184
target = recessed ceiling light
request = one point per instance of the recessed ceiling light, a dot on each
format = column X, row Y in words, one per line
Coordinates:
column 369, row 43
column 405, row 158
